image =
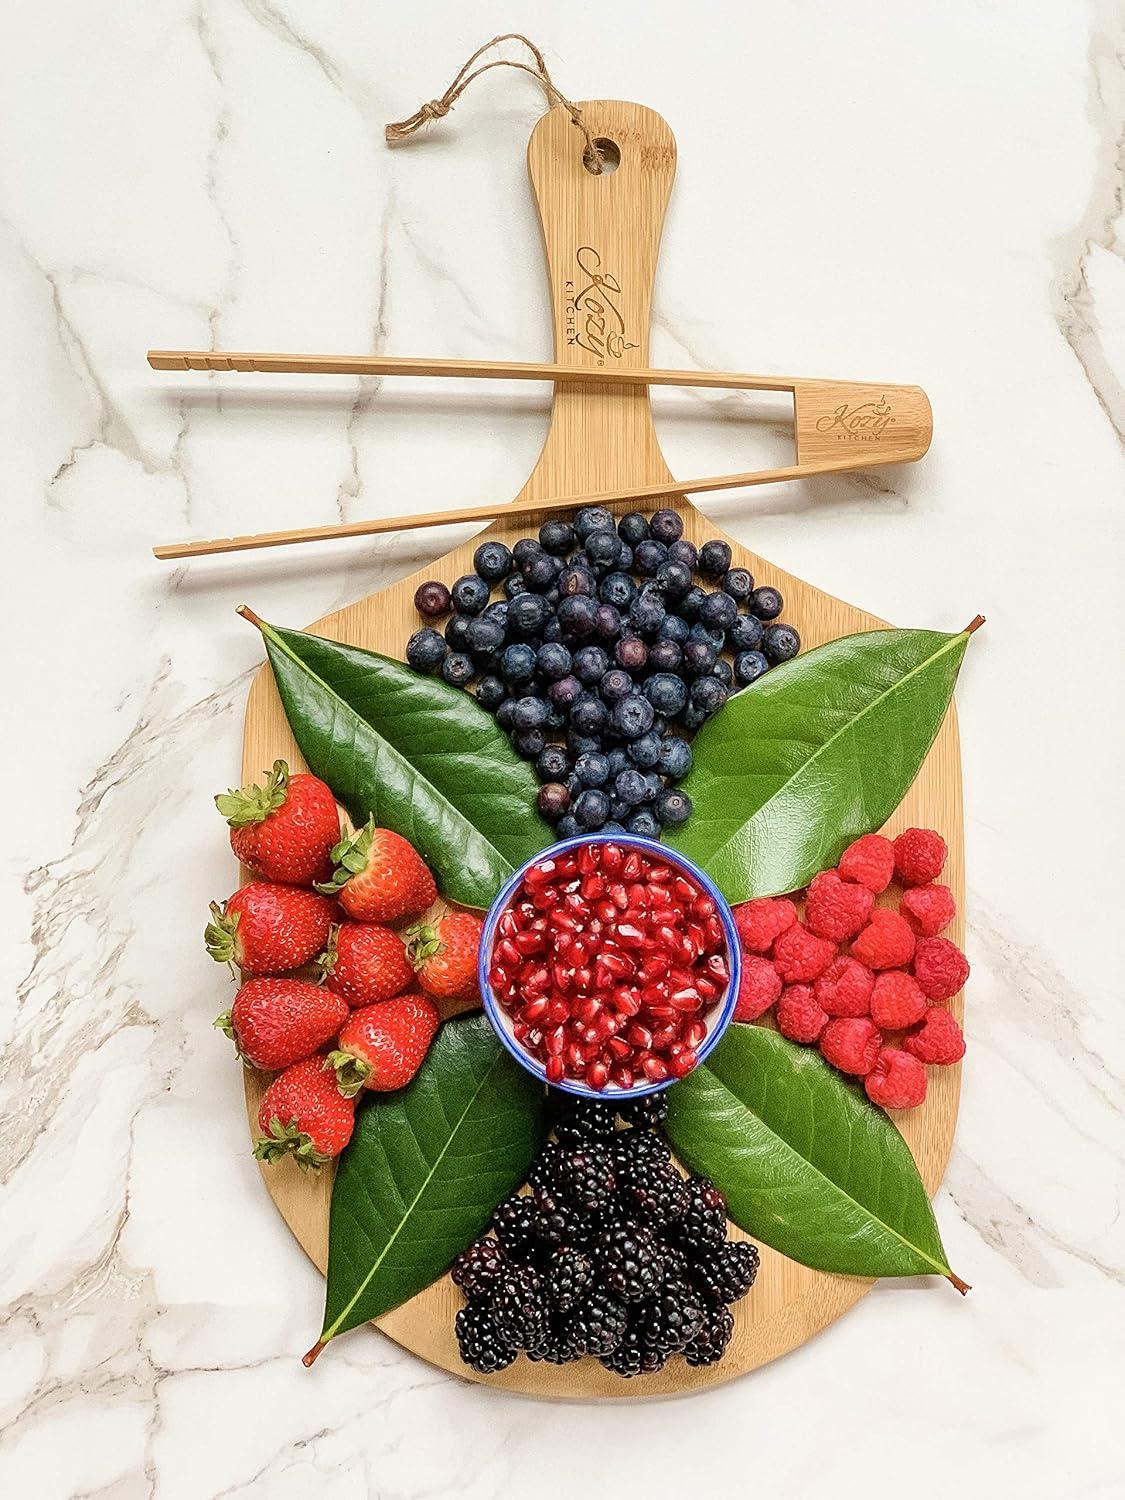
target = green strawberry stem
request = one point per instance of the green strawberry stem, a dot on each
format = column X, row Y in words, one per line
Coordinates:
column 350, row 857
column 284, row 1140
column 422, row 943
column 242, row 806
column 220, row 936
column 351, row 1072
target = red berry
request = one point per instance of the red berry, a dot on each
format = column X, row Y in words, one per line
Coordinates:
column 762, row 920
column 380, row 877
column 444, row 954
column 940, row 968
column 800, row 956
column 851, row 1043
column 928, row 908
column 798, row 1015
column 897, row 1001
column 887, row 942
column 938, row 1040
column 382, row 1046
column 844, row 989
column 285, row 830
column 897, row 1081
column 303, row 1113
column 870, row 861
column 920, row 855
column 277, row 1022
column 266, row 928
column 836, row 908
column 758, row 988
column 365, row 963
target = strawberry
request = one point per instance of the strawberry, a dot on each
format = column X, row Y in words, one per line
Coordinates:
column 379, row 877
column 267, row 929
column 277, row 1022
column 444, row 954
column 303, row 1112
column 381, row 1047
column 365, row 963
column 285, row 830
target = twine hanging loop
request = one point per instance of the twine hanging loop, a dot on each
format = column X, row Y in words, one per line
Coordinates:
column 437, row 109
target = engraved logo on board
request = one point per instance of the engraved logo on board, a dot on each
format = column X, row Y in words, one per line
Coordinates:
column 866, row 422
column 594, row 320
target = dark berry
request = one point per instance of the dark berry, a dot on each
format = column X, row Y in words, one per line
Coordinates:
column 581, row 1120
column 457, row 632
column 666, row 526
column 652, row 1190
column 703, row 1226
column 553, row 799
column 490, row 692
column 675, row 758
column 631, row 787
column 457, row 669
column 603, row 549
column 708, row 695
column 577, row 614
column 531, row 713
column 592, row 769
column 527, row 614
column 426, row 649
column 576, row 580
column 569, row 1279
column 539, row 573
column 644, row 751
column 566, row 692
column 553, row 764
column 714, row 559
column 684, row 552
column 711, row 636
column 673, row 807
column 557, row 538
column 470, row 594
column 766, row 603
column 739, row 584
column 479, row 1341
column 649, row 557
column 484, row 636
column 633, row 528
column 630, row 1262
column 630, row 653
column 581, row 744
column 567, row 827
column 718, row 611
column 519, row 1306
column 592, row 518
column 664, row 656
column 646, row 613
column 632, row 716
column 688, row 607
column 477, row 1269
column 557, row 1223
column 673, row 1318
column 493, row 561
column 529, row 742
column 607, row 622
column 598, row 1323
column 432, row 600
column 745, row 634
column 588, row 714
column 617, row 589
column 699, row 657
column 544, row 1170
column 780, row 643
column 644, row 824
column 724, row 672
column 591, row 809
column 665, row 692
column 553, row 660
column 514, row 586
column 674, row 628
column 641, row 1144
column 645, row 1113
column 587, row 1178
column 711, row 1338
column 727, row 1273
column 590, row 665
column 615, row 685
column 749, row 666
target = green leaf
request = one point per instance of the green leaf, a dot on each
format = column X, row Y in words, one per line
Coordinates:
column 819, row 751
column 424, row 1170
column 806, row 1162
column 417, row 755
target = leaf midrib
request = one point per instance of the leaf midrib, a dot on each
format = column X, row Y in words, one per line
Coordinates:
column 843, row 729
column 331, row 1331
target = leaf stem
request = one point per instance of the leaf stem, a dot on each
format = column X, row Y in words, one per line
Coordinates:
column 310, row 1358
column 962, row 1286
column 974, row 624
column 248, row 614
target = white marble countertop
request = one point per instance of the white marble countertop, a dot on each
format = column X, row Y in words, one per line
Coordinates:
column 928, row 193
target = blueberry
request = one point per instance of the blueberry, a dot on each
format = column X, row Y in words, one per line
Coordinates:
column 664, row 656
column 654, row 785
column 624, row 556
column 708, row 695
column 746, row 633
column 674, row 628
column 457, row 669
column 618, row 760
column 739, row 584
column 513, row 586
column 490, row 692
column 553, row 660
column 525, row 551
column 644, row 751
column 766, row 603
column 506, row 712
column 630, row 787
column 493, row 561
column 556, row 718
column 649, row 557
column 687, row 607
column 517, row 663
column 576, row 579
column 633, row 528
column 484, row 636
column 457, row 632
column 578, row 616
column 718, row 611
column 553, row 800
column 716, row 639
column 588, row 715
column 531, row 713
column 615, row 685
column 497, row 610
column 673, row 807
column 592, row 769
column 591, row 808
column 699, row 657
column 557, row 538
column 592, row 518
column 602, row 549
column 632, row 716
column 693, row 718
column 426, row 649
column 539, row 573
column 644, row 824
column 565, row 692
column 723, row 671
column 630, row 653
column 714, row 559
column 646, row 613
column 529, row 743
column 553, row 764
column 666, row 526
column 673, row 579
column 617, row 589
column 567, row 827
column 527, row 614
column 470, row 594
column 666, row 692
column 613, row 826
column 749, row 666
column 581, row 744
column 675, row 757
column 432, row 600
column 780, row 643
column 607, row 622
column 684, row 552
column 590, row 664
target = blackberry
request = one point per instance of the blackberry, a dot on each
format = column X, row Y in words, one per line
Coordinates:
column 630, row 1261
column 631, row 1357
column 711, row 1340
column 559, row 1344
column 673, row 1318
column 640, row 1145
column 479, row 1339
column 727, row 1273
column 477, row 1270
column 516, row 1222
column 556, row 1222
column 519, row 1307
column 544, row 1170
column 703, row 1227
column 653, row 1191
column 585, row 1120
column 598, row 1323
column 652, row 1110
column 569, row 1278
column 587, row 1178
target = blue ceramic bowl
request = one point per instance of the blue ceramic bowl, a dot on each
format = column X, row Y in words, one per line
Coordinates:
column 717, row 1019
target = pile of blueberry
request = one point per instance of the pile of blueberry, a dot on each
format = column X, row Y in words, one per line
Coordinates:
column 602, row 650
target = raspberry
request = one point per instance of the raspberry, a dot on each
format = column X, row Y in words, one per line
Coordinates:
column 844, row 989
column 798, row 1014
column 800, row 956
column 758, row 988
column 920, row 855
column 928, row 908
column 887, row 941
column 851, row 1043
column 940, row 968
column 835, row 908
column 938, row 1040
column 870, row 861
column 760, row 921
column 897, row 1001
column 897, row 1081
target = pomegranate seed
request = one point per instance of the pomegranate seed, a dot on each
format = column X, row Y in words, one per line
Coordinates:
column 655, row 1069
column 693, row 1033
column 682, row 1063
column 554, row 1070
column 597, row 1075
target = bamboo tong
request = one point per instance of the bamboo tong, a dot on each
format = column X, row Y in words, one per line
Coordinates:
column 839, row 426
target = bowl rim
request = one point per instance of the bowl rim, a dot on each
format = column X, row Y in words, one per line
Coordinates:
column 494, row 1011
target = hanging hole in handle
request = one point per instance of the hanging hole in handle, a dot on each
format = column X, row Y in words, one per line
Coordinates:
column 610, row 156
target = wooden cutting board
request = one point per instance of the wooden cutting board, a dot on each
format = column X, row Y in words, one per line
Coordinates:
column 602, row 237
